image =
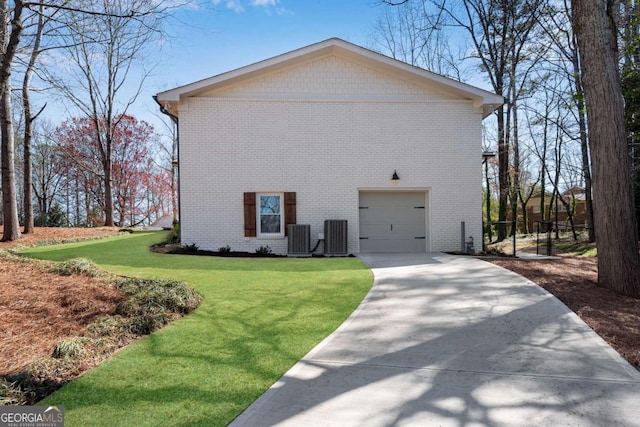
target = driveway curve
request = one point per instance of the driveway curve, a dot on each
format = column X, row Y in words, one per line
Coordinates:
column 445, row 340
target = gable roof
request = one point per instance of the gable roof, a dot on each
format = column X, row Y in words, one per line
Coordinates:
column 169, row 100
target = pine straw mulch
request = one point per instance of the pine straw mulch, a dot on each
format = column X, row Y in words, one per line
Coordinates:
column 573, row 280
column 38, row 308
column 62, row 319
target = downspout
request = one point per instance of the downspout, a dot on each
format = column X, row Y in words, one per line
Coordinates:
column 174, row 119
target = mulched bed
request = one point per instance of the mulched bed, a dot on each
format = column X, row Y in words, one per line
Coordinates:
column 39, row 308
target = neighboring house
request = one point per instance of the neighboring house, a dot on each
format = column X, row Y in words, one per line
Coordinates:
column 165, row 222
column 575, row 196
column 318, row 134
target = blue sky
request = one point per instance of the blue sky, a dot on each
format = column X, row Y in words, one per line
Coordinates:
column 222, row 35
column 233, row 33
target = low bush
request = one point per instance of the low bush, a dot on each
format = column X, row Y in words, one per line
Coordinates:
column 108, row 327
column 79, row 266
column 190, row 248
column 10, row 393
column 146, row 324
column 263, row 251
column 147, row 305
column 224, row 251
column 68, row 347
column 149, row 296
column 174, row 237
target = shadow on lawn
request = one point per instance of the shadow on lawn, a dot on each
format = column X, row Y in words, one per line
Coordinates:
column 435, row 395
column 507, row 354
column 534, row 371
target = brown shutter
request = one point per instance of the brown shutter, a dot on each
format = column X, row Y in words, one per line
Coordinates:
column 289, row 210
column 250, row 214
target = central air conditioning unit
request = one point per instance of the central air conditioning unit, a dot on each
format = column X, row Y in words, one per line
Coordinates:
column 335, row 237
column 299, row 240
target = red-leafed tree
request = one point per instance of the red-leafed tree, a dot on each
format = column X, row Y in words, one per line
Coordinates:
column 137, row 196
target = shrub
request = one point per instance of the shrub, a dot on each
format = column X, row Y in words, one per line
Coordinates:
column 77, row 266
column 190, row 248
column 108, row 327
column 143, row 325
column 55, row 217
column 174, row 237
column 10, row 393
column 263, row 251
column 148, row 296
column 67, row 347
column 225, row 250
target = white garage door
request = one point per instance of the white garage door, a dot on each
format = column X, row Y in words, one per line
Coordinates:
column 392, row 222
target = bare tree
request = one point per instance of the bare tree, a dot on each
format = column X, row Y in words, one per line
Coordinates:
column 556, row 22
column 47, row 175
column 169, row 159
column 500, row 33
column 29, row 118
column 116, row 25
column 500, row 36
column 417, row 33
column 596, row 27
column 104, row 48
column 11, row 21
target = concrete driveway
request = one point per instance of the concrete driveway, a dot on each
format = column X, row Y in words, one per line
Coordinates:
column 454, row 341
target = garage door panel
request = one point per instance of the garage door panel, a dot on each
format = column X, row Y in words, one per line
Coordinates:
column 400, row 231
column 392, row 245
column 375, row 231
column 407, row 217
column 375, row 216
column 407, row 230
column 412, row 199
column 386, row 215
column 393, row 217
column 392, row 222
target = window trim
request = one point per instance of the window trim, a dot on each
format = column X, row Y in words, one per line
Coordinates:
column 259, row 233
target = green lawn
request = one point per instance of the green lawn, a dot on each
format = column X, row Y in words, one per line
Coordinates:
column 258, row 317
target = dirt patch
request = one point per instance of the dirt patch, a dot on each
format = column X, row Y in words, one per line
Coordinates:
column 573, row 280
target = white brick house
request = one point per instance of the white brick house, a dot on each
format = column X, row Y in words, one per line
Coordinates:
column 317, row 134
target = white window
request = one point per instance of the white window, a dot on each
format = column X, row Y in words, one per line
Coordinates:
column 270, row 215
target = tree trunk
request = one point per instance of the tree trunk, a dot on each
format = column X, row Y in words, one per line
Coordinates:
column 503, row 177
column 28, row 175
column 9, row 201
column 108, row 195
column 28, row 126
column 584, row 145
column 488, row 200
column 9, row 42
column 595, row 26
column 27, row 182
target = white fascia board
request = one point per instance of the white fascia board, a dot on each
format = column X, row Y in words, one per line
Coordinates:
column 269, row 65
column 485, row 100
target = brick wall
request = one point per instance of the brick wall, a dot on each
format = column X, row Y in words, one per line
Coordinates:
column 327, row 129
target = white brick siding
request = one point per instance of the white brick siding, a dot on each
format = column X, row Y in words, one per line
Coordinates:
column 325, row 130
